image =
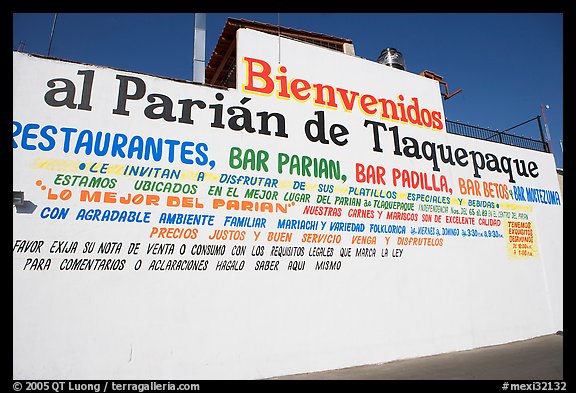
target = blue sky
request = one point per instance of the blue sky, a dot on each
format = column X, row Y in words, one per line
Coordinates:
column 507, row 64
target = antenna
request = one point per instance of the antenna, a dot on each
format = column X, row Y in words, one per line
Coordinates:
column 52, row 33
column 278, row 38
column 21, row 46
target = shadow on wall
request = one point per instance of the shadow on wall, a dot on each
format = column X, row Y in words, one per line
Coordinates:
column 560, row 173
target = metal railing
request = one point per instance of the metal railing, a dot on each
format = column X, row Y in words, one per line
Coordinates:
column 503, row 137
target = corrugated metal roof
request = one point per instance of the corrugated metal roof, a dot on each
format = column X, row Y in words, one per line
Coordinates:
column 220, row 70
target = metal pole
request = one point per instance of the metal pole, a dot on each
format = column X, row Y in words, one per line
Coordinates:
column 548, row 139
column 544, row 143
column 518, row 125
column 52, row 33
column 199, row 68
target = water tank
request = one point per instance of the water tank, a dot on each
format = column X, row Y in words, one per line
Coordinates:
column 392, row 58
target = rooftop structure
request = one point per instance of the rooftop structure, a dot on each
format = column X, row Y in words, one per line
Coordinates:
column 220, row 70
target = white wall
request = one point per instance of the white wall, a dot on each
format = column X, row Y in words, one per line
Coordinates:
column 209, row 324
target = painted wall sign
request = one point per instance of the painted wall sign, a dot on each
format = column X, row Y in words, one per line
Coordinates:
column 316, row 217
